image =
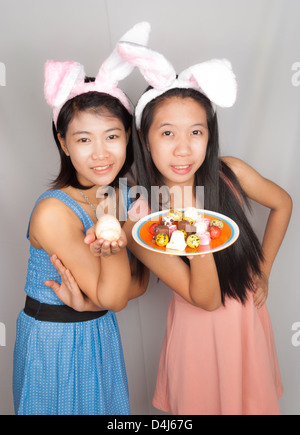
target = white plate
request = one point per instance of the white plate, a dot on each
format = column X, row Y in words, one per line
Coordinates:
column 143, row 237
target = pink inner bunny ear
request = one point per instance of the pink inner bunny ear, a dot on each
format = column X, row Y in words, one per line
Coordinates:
column 155, row 68
column 115, row 68
column 60, row 78
column 216, row 79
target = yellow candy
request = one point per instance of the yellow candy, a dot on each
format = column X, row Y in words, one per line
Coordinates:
column 161, row 239
column 193, row 241
column 176, row 215
column 216, row 223
column 190, row 220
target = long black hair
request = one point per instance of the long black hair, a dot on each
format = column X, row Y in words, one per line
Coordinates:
column 222, row 193
column 96, row 101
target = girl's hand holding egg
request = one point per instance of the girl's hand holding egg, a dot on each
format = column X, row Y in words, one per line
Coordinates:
column 108, row 228
column 106, row 237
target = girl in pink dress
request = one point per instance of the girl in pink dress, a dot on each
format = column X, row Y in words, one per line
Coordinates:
column 218, row 355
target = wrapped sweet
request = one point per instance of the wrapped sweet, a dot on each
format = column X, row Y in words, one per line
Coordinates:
column 205, row 238
column 177, row 241
column 167, row 220
column 186, row 226
column 216, row 223
column 188, row 229
column 193, row 241
column 176, row 215
column 215, row 232
column 191, row 213
column 162, row 239
column 201, row 226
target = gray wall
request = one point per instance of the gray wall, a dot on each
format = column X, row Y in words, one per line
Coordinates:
column 262, row 40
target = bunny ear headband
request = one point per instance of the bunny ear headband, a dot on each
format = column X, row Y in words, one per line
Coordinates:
column 213, row 78
column 65, row 80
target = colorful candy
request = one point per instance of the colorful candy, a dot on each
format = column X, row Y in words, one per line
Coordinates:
column 177, row 230
column 161, row 239
column 193, row 241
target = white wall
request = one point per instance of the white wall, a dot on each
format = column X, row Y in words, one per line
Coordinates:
column 262, row 40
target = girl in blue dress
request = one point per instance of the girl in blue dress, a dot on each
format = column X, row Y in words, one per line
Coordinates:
column 69, row 362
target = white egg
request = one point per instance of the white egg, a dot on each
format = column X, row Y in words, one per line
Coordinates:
column 108, row 228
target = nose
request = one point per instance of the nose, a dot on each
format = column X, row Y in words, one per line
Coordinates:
column 183, row 147
column 100, row 151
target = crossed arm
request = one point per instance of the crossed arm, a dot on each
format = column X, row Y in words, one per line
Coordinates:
column 198, row 284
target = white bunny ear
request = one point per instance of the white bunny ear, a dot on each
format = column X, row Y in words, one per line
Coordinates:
column 155, row 68
column 115, row 68
column 216, row 79
column 60, row 79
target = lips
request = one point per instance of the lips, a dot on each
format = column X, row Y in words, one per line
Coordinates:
column 103, row 169
column 181, row 169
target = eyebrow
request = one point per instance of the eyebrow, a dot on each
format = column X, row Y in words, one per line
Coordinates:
column 80, row 132
column 88, row 132
column 166, row 124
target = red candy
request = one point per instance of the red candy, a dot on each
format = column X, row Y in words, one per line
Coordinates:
column 152, row 228
column 215, row 232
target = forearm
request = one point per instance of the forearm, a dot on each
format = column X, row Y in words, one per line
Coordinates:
column 204, row 285
column 114, row 281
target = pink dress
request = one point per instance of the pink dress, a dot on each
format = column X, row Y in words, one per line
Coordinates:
column 218, row 363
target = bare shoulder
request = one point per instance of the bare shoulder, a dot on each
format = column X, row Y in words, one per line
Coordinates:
column 238, row 166
column 51, row 216
column 255, row 185
column 51, row 209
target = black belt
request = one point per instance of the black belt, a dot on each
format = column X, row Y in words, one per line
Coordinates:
column 58, row 313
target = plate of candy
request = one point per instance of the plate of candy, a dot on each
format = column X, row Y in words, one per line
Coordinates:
column 185, row 232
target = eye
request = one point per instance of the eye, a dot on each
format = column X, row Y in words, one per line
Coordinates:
column 83, row 140
column 112, row 137
column 167, row 133
column 197, row 133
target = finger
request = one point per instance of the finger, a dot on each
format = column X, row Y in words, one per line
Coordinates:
column 90, row 235
column 121, row 244
column 115, row 247
column 106, row 249
column 58, row 290
column 96, row 247
column 60, row 269
column 72, row 284
column 57, row 264
column 123, row 239
column 54, row 285
column 89, row 238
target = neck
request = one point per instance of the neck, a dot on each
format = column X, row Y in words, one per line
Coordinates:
column 180, row 195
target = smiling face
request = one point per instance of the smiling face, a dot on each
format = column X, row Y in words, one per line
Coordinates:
column 177, row 140
column 96, row 144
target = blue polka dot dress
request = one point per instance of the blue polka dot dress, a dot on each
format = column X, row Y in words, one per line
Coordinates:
column 66, row 368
